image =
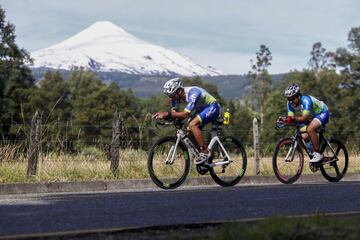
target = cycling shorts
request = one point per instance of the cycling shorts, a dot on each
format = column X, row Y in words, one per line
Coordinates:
column 208, row 114
column 323, row 117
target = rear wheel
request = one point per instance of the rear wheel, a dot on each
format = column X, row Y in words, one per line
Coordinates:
column 230, row 173
column 168, row 175
column 287, row 162
column 335, row 160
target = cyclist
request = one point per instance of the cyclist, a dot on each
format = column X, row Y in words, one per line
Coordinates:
column 314, row 114
column 204, row 107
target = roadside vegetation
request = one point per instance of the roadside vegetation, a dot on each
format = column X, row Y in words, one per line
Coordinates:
column 92, row 164
column 316, row 227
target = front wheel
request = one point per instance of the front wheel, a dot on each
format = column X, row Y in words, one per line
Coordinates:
column 287, row 162
column 164, row 173
column 335, row 160
column 230, row 173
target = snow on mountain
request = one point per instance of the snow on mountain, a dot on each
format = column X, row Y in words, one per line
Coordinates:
column 106, row 47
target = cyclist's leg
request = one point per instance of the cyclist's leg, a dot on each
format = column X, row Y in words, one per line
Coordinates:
column 314, row 125
column 195, row 129
column 208, row 114
column 318, row 121
column 304, row 133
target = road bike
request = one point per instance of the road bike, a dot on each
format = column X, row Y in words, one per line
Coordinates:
column 170, row 157
column 288, row 157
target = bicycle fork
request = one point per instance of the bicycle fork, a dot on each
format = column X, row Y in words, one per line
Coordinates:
column 291, row 153
column 171, row 154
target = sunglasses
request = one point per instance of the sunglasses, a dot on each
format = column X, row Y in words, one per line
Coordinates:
column 172, row 95
column 292, row 99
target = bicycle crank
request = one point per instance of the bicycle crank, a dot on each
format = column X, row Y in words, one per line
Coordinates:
column 202, row 169
column 314, row 167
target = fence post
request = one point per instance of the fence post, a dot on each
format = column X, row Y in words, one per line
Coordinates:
column 33, row 151
column 115, row 144
column 122, row 133
column 256, row 146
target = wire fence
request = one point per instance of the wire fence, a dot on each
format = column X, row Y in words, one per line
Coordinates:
column 95, row 142
column 75, row 137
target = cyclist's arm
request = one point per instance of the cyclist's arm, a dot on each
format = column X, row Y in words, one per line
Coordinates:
column 302, row 118
column 183, row 114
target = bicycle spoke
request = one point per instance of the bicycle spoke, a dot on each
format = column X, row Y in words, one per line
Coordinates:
column 228, row 174
column 334, row 171
column 337, row 169
column 337, row 151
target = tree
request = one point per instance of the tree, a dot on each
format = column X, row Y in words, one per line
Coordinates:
column 349, row 60
column 260, row 78
column 15, row 75
column 94, row 104
column 318, row 58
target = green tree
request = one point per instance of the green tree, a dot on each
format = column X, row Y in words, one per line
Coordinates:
column 15, row 76
column 349, row 59
column 94, row 105
column 318, row 58
column 260, row 79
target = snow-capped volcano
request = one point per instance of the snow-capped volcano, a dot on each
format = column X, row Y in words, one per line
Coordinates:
column 106, row 47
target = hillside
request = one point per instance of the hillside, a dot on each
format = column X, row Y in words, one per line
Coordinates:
column 229, row 86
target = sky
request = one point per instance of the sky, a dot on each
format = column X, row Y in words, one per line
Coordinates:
column 224, row 34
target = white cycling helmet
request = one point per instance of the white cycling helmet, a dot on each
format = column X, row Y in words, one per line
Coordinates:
column 171, row 86
column 293, row 90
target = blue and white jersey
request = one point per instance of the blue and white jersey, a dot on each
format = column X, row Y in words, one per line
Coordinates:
column 308, row 106
column 196, row 98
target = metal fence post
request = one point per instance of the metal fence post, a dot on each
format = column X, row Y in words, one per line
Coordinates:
column 33, row 151
column 256, row 146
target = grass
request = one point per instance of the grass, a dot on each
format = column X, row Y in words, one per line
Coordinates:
column 316, row 227
column 92, row 164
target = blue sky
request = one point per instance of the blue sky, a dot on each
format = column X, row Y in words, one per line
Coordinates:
column 224, row 34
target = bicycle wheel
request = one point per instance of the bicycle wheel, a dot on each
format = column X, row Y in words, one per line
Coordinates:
column 287, row 170
column 168, row 175
column 334, row 166
column 231, row 173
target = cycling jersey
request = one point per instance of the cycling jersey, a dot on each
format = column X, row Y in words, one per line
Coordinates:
column 310, row 105
column 201, row 103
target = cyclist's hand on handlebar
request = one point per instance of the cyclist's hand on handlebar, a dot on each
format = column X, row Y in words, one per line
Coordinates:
column 289, row 120
column 280, row 122
column 160, row 115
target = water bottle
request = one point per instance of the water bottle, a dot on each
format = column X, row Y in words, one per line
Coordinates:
column 227, row 117
column 309, row 146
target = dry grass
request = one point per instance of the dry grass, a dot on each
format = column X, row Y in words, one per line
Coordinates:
column 91, row 164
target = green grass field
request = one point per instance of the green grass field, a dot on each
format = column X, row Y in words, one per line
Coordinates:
column 92, row 164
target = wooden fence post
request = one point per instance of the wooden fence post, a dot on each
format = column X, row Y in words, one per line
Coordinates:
column 115, row 144
column 256, row 146
column 122, row 134
column 33, row 151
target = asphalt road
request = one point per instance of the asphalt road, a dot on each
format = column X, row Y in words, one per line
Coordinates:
column 21, row 215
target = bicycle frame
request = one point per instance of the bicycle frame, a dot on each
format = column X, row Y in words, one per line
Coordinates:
column 181, row 135
column 297, row 138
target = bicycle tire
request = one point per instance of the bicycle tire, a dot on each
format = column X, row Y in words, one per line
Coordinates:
column 232, row 173
column 328, row 169
column 278, row 161
column 172, row 177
